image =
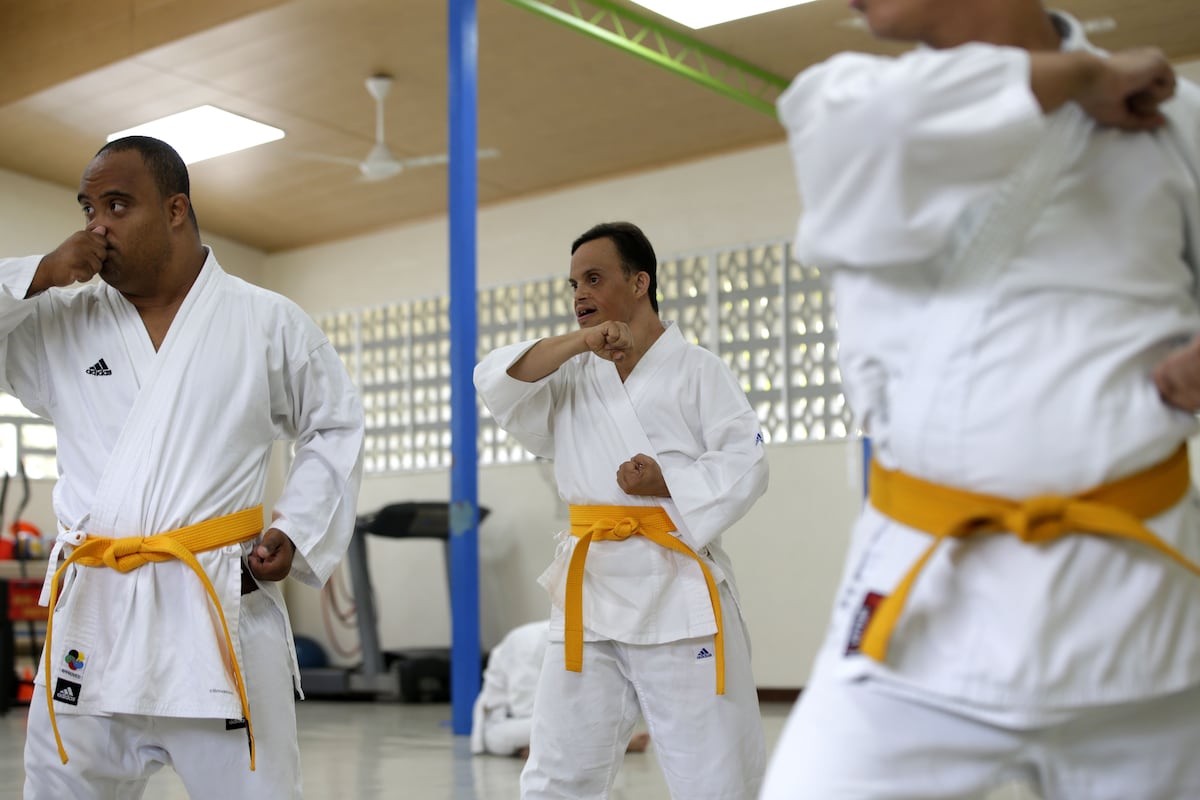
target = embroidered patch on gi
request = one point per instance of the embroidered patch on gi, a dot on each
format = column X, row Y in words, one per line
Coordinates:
column 99, row 368
column 234, row 724
column 703, row 654
column 66, row 691
column 75, row 660
column 72, row 666
column 862, row 618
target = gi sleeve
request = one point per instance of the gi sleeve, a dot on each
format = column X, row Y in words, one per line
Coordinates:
column 317, row 506
column 525, row 410
column 889, row 152
column 22, row 353
column 718, row 488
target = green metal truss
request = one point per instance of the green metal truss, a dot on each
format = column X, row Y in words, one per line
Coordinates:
column 670, row 50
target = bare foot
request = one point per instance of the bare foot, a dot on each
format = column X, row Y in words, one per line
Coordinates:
column 638, row 743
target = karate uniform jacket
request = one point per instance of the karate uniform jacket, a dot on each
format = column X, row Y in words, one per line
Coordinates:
column 1005, row 283
column 682, row 407
column 152, row 441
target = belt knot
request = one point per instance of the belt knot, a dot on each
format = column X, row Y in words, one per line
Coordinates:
column 125, row 554
column 1039, row 519
column 609, row 529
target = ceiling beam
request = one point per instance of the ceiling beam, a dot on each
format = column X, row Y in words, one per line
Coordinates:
column 669, row 49
column 43, row 44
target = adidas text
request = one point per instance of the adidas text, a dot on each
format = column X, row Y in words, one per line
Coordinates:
column 99, row 368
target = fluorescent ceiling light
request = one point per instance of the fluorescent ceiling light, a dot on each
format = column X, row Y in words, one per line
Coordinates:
column 702, row 13
column 204, row 132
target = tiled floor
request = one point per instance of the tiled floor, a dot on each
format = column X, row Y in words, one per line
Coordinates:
column 359, row 751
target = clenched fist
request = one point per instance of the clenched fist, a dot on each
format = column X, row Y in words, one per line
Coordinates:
column 76, row 260
column 271, row 559
column 642, row 476
column 1128, row 88
column 609, row 340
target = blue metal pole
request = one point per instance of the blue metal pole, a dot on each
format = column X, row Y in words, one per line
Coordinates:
column 464, row 470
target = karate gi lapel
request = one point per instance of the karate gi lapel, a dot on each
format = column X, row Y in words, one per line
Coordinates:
column 619, row 396
column 960, row 302
column 621, row 403
column 158, row 379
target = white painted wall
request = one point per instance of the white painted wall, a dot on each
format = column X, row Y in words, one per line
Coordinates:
column 1189, row 70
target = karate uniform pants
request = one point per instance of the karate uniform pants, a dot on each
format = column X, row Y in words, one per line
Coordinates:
column 112, row 757
column 710, row 746
column 860, row 740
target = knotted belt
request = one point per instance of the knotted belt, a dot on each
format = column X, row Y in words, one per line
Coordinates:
column 1113, row 509
column 616, row 523
column 128, row 553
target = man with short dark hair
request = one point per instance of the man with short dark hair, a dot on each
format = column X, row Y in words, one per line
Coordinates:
column 168, row 382
column 1011, row 220
column 657, row 451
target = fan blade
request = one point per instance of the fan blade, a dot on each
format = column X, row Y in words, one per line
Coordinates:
column 425, row 161
column 328, row 159
column 442, row 158
column 377, row 171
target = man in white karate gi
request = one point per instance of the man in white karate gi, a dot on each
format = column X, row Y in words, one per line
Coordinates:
column 1011, row 219
column 657, row 451
column 168, row 381
column 503, row 714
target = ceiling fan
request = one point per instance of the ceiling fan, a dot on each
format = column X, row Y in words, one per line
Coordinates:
column 380, row 163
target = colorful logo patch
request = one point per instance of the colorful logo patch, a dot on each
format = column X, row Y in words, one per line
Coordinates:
column 74, row 660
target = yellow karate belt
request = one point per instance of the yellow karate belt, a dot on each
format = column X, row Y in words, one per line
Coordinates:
column 128, row 553
column 1114, row 509
column 613, row 524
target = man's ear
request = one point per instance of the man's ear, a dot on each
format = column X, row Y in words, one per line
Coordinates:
column 178, row 206
column 642, row 282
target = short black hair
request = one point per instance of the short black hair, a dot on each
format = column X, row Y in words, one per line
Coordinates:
column 167, row 169
column 637, row 254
